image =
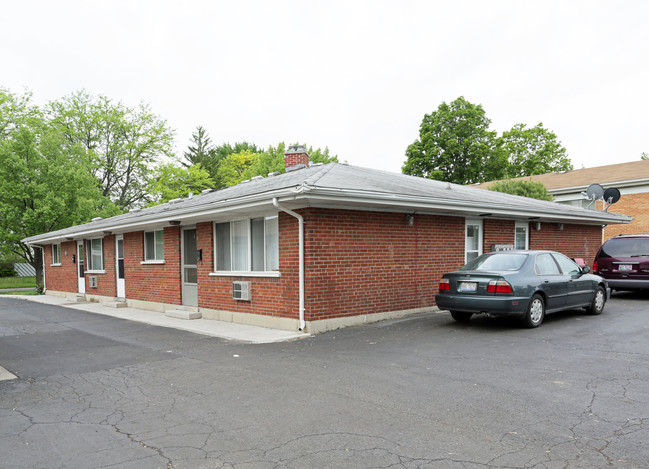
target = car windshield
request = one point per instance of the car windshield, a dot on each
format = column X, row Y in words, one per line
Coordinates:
column 626, row 247
column 504, row 261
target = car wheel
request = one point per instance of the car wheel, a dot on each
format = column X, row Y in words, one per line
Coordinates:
column 461, row 316
column 535, row 312
column 597, row 306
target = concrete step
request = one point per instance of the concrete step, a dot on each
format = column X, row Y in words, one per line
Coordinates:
column 115, row 304
column 183, row 314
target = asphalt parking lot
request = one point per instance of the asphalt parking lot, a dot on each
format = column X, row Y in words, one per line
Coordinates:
column 422, row 392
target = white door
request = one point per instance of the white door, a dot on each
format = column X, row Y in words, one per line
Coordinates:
column 473, row 240
column 190, row 270
column 119, row 266
column 80, row 267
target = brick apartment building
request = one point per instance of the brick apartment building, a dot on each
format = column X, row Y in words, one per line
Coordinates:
column 315, row 248
column 631, row 179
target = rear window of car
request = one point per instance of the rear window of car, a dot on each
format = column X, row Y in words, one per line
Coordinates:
column 497, row 262
column 625, row 247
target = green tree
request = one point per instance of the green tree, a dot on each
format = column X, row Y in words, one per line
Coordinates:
column 122, row 145
column 456, row 145
column 172, row 182
column 529, row 188
column 42, row 186
column 534, row 150
column 272, row 160
column 232, row 168
column 644, row 156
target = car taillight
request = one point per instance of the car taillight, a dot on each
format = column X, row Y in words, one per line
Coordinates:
column 594, row 267
column 499, row 286
column 444, row 285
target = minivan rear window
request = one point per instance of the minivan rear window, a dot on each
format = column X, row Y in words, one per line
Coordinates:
column 625, row 247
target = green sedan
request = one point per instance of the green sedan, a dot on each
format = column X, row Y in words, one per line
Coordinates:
column 525, row 284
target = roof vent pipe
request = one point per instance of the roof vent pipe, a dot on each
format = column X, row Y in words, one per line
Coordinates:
column 300, row 220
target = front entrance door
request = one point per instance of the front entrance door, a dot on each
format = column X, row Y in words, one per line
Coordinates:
column 80, row 268
column 190, row 271
column 119, row 267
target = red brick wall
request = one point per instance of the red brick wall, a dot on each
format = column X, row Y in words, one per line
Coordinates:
column 153, row 282
column 370, row 262
column 633, row 205
column 106, row 285
column 355, row 263
column 270, row 296
column 574, row 241
column 61, row 277
column 497, row 232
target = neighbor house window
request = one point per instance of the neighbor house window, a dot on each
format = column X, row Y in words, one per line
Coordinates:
column 95, row 251
column 154, row 249
column 473, row 240
column 247, row 245
column 521, row 236
column 56, row 254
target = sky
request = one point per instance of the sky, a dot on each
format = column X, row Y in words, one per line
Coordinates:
column 354, row 76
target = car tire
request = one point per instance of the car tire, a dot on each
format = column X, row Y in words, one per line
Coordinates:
column 461, row 316
column 597, row 306
column 535, row 312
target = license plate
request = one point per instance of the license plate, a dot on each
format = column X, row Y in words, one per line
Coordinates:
column 468, row 286
column 625, row 267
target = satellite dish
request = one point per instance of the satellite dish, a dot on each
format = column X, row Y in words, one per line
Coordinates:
column 594, row 192
column 611, row 195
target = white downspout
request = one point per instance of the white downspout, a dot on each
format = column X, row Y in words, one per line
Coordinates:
column 300, row 220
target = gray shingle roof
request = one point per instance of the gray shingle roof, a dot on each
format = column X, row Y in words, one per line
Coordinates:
column 341, row 186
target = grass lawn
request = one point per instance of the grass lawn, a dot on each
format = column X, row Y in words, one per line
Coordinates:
column 17, row 282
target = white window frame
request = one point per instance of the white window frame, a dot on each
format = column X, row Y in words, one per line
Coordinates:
column 154, row 259
column 56, row 254
column 248, row 227
column 473, row 222
column 92, row 269
column 526, row 226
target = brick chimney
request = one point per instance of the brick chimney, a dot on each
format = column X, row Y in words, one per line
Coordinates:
column 296, row 156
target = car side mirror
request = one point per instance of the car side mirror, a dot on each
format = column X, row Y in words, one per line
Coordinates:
column 585, row 269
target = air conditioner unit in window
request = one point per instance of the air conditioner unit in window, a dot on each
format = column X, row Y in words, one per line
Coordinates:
column 241, row 291
column 92, row 281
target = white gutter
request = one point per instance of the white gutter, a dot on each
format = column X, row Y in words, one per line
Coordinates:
column 300, row 220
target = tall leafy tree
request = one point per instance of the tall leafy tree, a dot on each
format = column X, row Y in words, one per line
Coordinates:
column 533, row 150
column 532, row 189
column 43, row 187
column 234, row 167
column 456, row 145
column 172, row 181
column 123, row 145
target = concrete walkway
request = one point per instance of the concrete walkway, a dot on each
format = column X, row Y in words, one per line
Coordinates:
column 222, row 329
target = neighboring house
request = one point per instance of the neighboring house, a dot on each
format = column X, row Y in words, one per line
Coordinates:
column 316, row 248
column 632, row 179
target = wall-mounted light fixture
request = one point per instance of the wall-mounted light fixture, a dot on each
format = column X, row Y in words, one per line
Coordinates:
column 560, row 226
column 538, row 226
column 410, row 220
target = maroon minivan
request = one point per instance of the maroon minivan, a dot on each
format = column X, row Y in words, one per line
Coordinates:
column 623, row 261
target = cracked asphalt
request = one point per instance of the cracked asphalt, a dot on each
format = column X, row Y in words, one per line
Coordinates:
column 424, row 392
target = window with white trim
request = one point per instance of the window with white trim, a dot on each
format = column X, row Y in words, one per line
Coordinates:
column 95, row 254
column 472, row 240
column 56, row 254
column 154, row 247
column 250, row 245
column 521, row 236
